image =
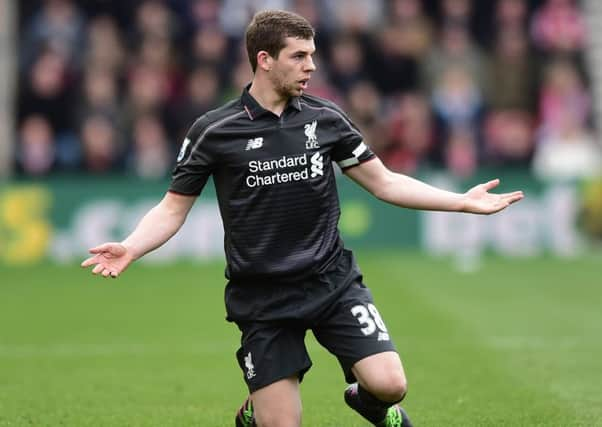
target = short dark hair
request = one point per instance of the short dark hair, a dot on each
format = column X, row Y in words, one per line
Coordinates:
column 269, row 28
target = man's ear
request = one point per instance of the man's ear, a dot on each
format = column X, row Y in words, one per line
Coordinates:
column 264, row 60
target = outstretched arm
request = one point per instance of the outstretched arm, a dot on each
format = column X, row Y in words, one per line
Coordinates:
column 155, row 228
column 404, row 191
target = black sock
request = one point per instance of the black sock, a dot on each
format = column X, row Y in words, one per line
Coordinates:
column 368, row 405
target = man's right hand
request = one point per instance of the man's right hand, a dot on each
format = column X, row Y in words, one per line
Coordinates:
column 109, row 259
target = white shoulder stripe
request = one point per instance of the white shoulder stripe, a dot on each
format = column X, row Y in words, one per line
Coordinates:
column 207, row 129
column 354, row 130
column 360, row 149
column 348, row 162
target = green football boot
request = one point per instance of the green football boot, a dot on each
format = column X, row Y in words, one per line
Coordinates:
column 396, row 417
column 244, row 416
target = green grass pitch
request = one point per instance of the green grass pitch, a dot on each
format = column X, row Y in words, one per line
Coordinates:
column 517, row 343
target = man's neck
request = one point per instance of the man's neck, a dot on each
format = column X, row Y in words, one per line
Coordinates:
column 267, row 97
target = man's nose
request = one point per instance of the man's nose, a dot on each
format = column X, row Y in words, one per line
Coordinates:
column 310, row 65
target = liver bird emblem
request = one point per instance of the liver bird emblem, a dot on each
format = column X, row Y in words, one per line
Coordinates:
column 310, row 131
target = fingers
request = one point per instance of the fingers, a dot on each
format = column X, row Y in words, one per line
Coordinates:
column 89, row 261
column 109, row 273
column 106, row 259
column 104, row 271
column 491, row 184
column 105, row 247
column 505, row 200
column 100, row 266
column 513, row 197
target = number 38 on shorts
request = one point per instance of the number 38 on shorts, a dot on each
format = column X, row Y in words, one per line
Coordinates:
column 370, row 321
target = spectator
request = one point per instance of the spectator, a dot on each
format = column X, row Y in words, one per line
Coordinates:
column 510, row 15
column 364, row 108
column 201, row 95
column 156, row 53
column 457, row 100
column 355, row 16
column 236, row 14
column 210, row 47
column 461, row 152
column 566, row 148
column 46, row 91
column 512, row 86
column 104, row 47
column 151, row 155
column 100, row 145
column 204, row 13
column 148, row 92
column 58, row 26
column 509, row 139
column 391, row 66
column 321, row 16
column 310, row 10
column 558, row 26
column 564, row 101
column 399, row 46
column 455, row 48
column 154, row 19
column 409, row 135
column 36, row 149
column 457, row 12
column 346, row 62
column 415, row 28
column 99, row 94
column 512, row 73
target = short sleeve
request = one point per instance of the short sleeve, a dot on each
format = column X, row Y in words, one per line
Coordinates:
column 195, row 161
column 350, row 149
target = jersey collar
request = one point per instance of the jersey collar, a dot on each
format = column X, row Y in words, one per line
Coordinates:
column 255, row 110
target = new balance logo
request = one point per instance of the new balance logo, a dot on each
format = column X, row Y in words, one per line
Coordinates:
column 254, row 144
column 383, row 336
column 310, row 133
column 185, row 145
column 317, row 165
column 250, row 367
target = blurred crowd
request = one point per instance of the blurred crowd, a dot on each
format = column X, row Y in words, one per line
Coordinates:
column 109, row 86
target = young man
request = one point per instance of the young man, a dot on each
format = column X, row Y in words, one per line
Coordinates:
column 270, row 154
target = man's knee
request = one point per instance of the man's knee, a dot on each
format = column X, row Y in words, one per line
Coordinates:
column 382, row 375
column 389, row 388
column 395, row 388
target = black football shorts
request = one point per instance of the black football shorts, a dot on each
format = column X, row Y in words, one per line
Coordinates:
column 335, row 306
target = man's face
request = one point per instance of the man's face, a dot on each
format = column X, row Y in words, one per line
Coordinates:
column 292, row 69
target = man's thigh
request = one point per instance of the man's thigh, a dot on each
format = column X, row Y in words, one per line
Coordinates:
column 353, row 329
column 278, row 404
column 382, row 374
column 271, row 351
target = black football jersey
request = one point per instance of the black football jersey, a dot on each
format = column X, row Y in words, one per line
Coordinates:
column 274, row 180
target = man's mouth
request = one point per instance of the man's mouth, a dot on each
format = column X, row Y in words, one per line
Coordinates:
column 303, row 83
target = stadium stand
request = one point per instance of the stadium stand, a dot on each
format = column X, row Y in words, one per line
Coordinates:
column 111, row 87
